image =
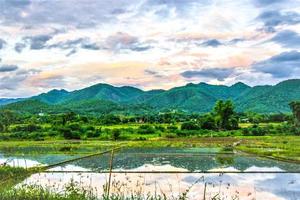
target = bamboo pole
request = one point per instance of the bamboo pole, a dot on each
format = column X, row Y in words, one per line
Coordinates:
column 110, row 172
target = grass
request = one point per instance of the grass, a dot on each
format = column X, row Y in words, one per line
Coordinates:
column 9, row 176
column 88, row 146
column 278, row 147
column 32, row 192
column 281, row 147
column 73, row 191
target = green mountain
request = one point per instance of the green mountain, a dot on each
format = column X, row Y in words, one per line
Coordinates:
column 104, row 92
column 52, row 97
column 33, row 106
column 6, row 101
column 269, row 99
column 104, row 98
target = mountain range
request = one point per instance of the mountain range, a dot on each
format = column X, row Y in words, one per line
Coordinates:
column 104, row 98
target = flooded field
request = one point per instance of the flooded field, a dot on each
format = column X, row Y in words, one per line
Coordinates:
column 196, row 172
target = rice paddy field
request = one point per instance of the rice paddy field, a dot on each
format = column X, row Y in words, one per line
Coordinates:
column 187, row 168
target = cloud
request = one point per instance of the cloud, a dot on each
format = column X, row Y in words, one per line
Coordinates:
column 90, row 46
column 73, row 51
column 272, row 19
column 48, row 81
column 2, row 43
column 17, row 3
column 284, row 65
column 19, row 47
column 212, row 43
column 8, row 68
column 76, row 13
column 13, row 80
column 217, row 73
column 152, row 73
column 164, row 8
column 236, row 40
column 287, row 39
column 37, row 42
column 74, row 44
column 124, row 41
column 268, row 2
column 68, row 44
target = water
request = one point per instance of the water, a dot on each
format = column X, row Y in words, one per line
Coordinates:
column 189, row 159
column 267, row 184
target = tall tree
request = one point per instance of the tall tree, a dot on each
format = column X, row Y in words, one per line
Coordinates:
column 225, row 115
column 7, row 118
column 295, row 106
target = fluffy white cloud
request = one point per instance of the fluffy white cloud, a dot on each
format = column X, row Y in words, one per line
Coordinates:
column 144, row 43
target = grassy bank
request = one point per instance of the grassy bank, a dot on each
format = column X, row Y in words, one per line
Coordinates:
column 287, row 147
column 9, row 176
column 281, row 148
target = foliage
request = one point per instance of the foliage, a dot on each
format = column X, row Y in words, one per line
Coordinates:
column 189, row 126
column 295, row 107
column 224, row 115
column 116, row 134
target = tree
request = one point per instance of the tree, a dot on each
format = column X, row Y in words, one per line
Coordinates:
column 295, row 106
column 189, row 126
column 67, row 117
column 7, row 118
column 208, row 122
column 116, row 134
column 225, row 116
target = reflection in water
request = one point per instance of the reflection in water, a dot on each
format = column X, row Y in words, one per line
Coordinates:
column 27, row 161
column 226, row 186
column 262, row 186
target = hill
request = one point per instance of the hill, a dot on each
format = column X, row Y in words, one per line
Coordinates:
column 104, row 98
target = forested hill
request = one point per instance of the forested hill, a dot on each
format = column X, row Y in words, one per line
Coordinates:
column 104, row 98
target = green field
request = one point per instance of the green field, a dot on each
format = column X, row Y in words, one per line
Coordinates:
column 287, row 148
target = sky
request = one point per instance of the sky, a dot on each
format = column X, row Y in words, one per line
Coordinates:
column 149, row 44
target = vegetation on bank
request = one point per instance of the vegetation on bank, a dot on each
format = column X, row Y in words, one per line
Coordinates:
column 72, row 191
column 10, row 176
column 32, row 192
column 222, row 121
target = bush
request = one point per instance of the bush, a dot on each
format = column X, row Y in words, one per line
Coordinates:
column 69, row 134
column 184, row 133
column 115, row 134
column 170, row 135
column 208, row 122
column 172, row 128
column 254, row 131
column 110, row 119
column 190, row 126
column 89, row 128
column 141, row 139
column 75, row 127
column 160, row 128
column 26, row 128
column 146, row 129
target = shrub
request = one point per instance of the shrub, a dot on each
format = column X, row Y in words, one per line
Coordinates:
column 172, row 128
column 75, row 127
column 141, row 139
column 208, row 122
column 160, row 128
column 190, row 126
column 146, row 129
column 115, row 134
column 255, row 131
column 170, row 135
column 26, row 128
column 69, row 134
column 184, row 133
